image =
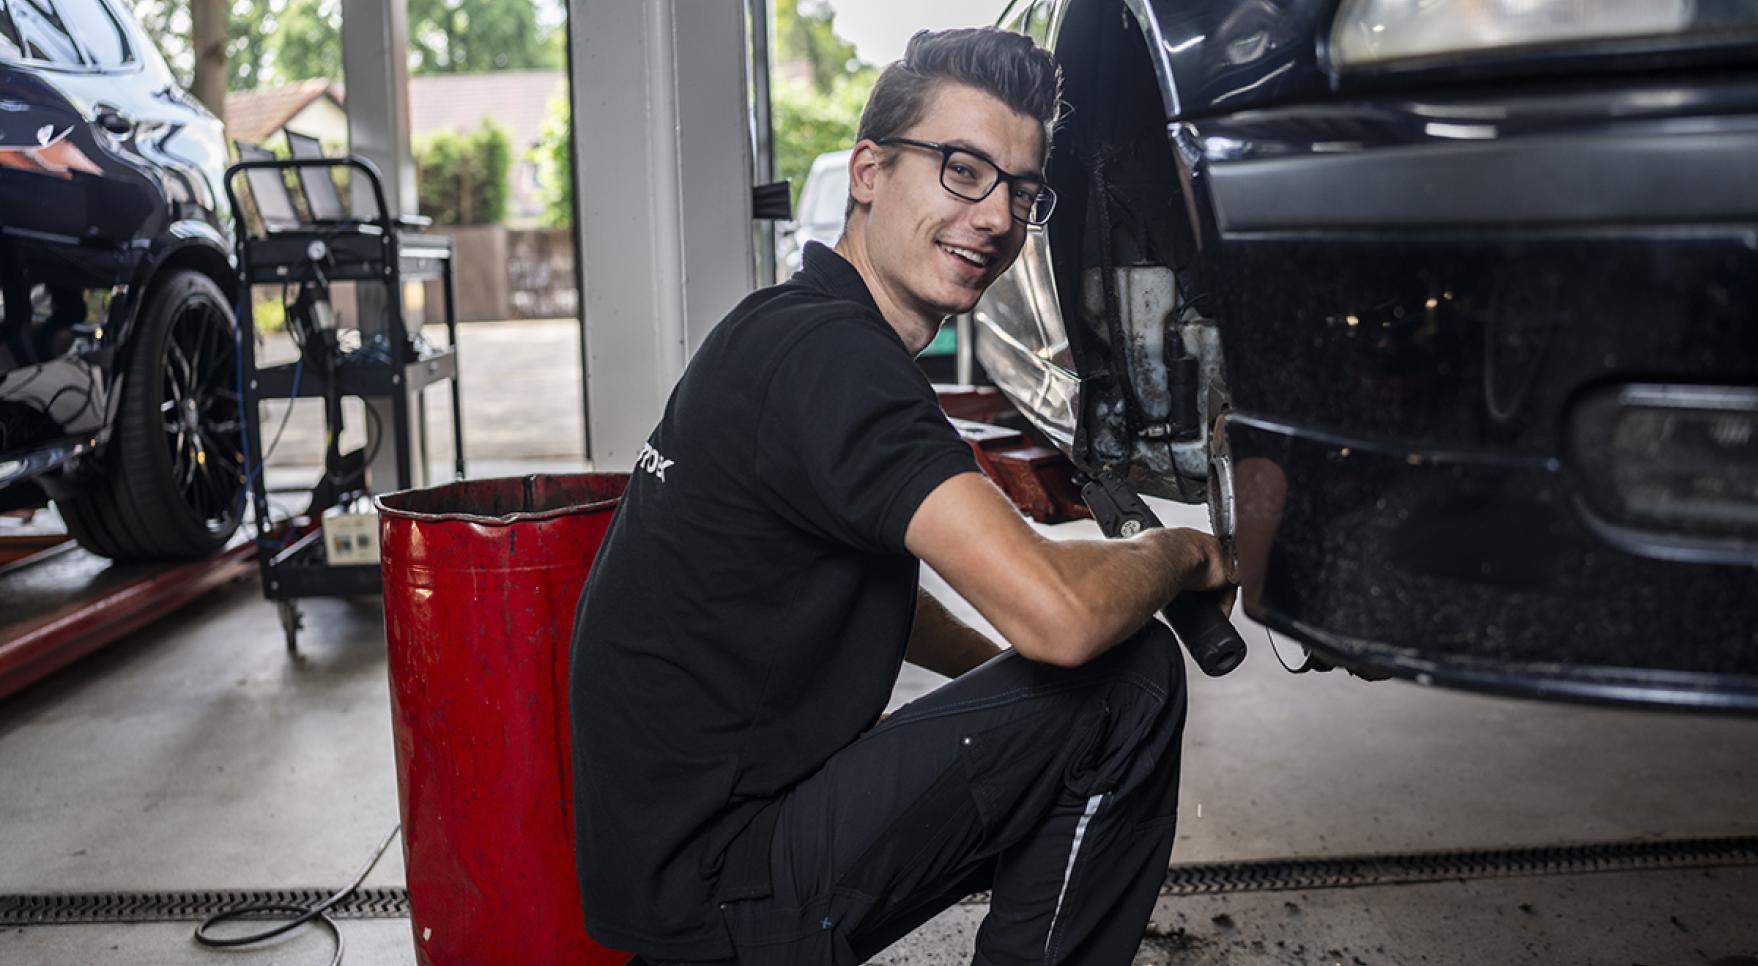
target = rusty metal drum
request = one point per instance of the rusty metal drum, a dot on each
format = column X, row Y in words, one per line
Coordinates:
column 481, row 581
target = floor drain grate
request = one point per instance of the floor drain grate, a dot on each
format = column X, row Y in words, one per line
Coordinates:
column 1347, row 872
column 1268, row 875
column 1358, row 871
column 121, row 907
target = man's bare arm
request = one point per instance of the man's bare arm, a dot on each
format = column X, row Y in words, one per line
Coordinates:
column 942, row 643
column 1060, row 602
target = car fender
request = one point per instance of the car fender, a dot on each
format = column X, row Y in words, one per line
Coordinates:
column 188, row 244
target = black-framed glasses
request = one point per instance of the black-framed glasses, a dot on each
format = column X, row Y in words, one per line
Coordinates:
column 966, row 174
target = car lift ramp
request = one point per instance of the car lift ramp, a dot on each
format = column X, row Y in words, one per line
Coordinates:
column 59, row 603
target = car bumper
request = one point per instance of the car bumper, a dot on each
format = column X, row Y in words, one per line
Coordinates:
column 1478, row 571
column 1416, row 328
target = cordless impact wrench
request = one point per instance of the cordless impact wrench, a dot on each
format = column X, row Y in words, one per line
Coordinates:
column 1202, row 627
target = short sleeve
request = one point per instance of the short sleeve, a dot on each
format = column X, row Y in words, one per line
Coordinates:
column 850, row 438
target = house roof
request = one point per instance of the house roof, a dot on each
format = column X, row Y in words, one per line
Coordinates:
column 256, row 115
column 517, row 100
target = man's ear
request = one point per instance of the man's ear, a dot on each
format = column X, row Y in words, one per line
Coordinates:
column 864, row 163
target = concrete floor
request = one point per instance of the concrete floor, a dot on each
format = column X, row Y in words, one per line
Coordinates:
column 196, row 755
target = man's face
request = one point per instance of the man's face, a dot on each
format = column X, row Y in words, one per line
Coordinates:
column 935, row 252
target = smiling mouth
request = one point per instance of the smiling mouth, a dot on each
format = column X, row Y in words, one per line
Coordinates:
column 969, row 255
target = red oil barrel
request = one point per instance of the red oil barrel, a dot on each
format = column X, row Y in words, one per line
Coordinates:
column 481, row 579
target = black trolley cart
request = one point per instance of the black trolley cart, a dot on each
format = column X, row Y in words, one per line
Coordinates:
column 293, row 249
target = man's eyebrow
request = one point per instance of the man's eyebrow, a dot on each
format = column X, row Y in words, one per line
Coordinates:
column 963, row 145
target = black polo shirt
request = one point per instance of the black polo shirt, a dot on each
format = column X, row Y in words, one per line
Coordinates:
column 747, row 614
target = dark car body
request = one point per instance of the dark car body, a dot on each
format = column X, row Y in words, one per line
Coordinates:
column 1461, row 351
column 109, row 183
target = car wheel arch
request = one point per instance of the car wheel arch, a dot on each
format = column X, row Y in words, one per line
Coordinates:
column 193, row 251
column 1123, row 97
column 201, row 251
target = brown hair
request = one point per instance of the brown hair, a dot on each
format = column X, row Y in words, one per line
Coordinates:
column 1005, row 65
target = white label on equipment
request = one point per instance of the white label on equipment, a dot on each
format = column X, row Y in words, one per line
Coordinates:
column 351, row 538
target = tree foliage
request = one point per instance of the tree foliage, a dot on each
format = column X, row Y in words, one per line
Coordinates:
column 250, row 36
column 805, row 32
column 471, row 36
column 462, row 178
column 819, row 113
column 275, row 42
column 307, row 41
column 808, row 124
column 553, row 153
column 809, row 116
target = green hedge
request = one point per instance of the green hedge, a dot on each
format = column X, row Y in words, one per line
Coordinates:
column 462, row 178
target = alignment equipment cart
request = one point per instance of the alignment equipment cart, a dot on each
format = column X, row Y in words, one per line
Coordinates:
column 328, row 551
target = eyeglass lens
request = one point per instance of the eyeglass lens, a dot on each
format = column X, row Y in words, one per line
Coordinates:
column 972, row 178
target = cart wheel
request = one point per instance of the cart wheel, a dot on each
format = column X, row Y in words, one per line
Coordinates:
column 291, row 622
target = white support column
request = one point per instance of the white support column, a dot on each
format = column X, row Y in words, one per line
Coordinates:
column 375, row 66
column 663, row 187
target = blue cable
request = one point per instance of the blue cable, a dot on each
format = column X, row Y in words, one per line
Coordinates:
column 298, row 370
column 251, row 472
column 238, row 371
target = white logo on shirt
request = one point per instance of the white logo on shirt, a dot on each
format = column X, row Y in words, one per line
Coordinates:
column 650, row 460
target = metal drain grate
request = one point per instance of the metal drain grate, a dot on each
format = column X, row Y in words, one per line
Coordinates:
column 120, row 907
column 1268, row 875
column 1347, row 872
column 1358, row 871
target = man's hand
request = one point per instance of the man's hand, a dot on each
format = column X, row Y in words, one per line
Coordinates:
column 1059, row 602
column 1207, row 566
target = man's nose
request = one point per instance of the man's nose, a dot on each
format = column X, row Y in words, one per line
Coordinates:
column 992, row 214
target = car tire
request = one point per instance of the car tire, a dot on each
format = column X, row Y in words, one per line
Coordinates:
column 173, row 481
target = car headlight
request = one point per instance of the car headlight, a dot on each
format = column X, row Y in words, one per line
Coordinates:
column 1371, row 32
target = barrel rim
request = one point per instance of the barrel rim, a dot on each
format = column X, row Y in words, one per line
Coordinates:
column 387, row 511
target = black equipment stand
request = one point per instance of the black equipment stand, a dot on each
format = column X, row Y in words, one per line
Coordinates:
column 292, row 557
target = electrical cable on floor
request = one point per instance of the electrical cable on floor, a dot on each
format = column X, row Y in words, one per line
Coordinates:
column 318, row 913
column 1271, row 638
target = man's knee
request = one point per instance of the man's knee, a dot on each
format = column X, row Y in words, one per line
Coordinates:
column 1131, row 713
column 1152, row 654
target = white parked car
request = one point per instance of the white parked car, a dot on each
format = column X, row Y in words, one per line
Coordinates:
column 820, row 213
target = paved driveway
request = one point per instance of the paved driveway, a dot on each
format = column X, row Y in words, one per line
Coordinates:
column 522, row 391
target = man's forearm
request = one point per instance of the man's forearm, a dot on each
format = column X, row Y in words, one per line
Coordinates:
column 1057, row 602
column 942, row 643
column 1124, row 582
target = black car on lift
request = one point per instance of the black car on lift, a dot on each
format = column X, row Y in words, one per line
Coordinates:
column 1449, row 312
column 118, row 375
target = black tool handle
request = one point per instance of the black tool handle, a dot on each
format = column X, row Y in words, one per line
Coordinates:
column 1208, row 635
column 1197, row 618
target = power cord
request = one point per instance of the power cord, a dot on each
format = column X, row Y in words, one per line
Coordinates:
column 318, row 913
column 292, row 397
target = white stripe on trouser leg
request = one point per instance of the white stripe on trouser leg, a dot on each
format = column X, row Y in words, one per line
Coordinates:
column 1080, row 832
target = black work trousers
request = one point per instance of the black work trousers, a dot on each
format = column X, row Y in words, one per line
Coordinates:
column 1055, row 788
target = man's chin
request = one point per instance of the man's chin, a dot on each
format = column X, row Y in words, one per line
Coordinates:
column 964, row 297
column 949, row 310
